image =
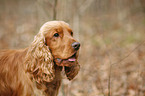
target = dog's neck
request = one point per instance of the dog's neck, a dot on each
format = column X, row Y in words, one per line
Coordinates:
column 50, row 88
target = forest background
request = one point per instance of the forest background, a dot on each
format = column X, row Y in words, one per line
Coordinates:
column 111, row 33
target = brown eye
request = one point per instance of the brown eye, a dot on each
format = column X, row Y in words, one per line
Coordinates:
column 56, row 35
column 71, row 33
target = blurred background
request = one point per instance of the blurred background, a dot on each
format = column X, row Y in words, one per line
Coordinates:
column 111, row 33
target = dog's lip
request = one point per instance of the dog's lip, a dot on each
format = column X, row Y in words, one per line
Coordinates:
column 70, row 59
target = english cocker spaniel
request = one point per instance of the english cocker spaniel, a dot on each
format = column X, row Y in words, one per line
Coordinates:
column 36, row 70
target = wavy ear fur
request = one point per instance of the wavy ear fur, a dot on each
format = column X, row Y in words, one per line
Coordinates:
column 39, row 61
column 72, row 71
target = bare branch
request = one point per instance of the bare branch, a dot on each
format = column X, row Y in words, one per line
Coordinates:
column 129, row 53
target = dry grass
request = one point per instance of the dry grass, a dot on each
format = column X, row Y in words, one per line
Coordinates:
column 112, row 61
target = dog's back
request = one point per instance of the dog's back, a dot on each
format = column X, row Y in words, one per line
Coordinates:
column 12, row 74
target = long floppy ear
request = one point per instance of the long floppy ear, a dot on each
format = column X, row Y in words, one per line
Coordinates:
column 39, row 61
column 72, row 71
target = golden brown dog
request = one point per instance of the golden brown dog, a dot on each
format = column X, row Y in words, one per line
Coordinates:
column 36, row 70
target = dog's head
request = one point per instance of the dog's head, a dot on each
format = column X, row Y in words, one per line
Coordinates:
column 64, row 48
column 55, row 43
column 59, row 38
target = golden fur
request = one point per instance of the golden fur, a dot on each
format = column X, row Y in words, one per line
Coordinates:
column 36, row 70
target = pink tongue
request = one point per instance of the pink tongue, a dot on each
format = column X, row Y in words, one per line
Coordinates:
column 72, row 59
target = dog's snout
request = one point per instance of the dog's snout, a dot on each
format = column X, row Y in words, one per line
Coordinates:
column 76, row 45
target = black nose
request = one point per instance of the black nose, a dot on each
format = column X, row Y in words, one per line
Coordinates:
column 76, row 45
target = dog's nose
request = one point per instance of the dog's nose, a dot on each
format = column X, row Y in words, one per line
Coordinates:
column 76, row 45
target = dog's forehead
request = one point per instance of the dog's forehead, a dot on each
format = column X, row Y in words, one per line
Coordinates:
column 52, row 24
column 55, row 25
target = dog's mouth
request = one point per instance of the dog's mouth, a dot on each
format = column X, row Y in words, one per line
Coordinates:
column 72, row 58
column 66, row 62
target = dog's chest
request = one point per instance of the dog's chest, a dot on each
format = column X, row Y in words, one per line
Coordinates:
column 48, row 88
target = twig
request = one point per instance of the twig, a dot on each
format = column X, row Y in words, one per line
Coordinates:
column 128, row 54
column 137, row 92
column 109, row 77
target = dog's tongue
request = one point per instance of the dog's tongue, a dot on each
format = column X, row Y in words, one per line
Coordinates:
column 71, row 59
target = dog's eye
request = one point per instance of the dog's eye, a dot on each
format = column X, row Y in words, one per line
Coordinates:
column 56, row 35
column 71, row 33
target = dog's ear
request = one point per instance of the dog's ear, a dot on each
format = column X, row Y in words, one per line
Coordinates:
column 72, row 71
column 39, row 60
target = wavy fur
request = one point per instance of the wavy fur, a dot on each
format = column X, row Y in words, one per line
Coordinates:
column 39, row 61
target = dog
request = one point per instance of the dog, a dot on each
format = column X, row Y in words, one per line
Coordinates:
column 36, row 70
